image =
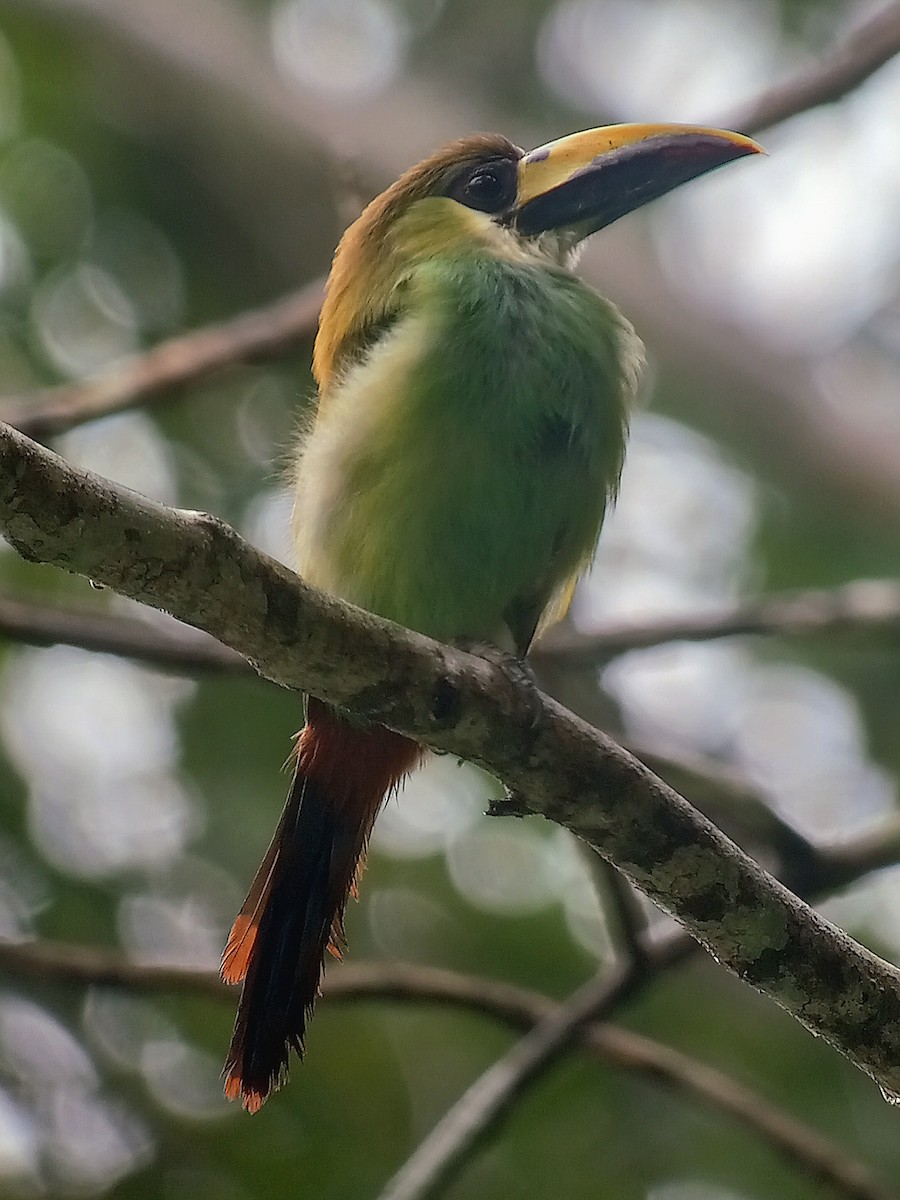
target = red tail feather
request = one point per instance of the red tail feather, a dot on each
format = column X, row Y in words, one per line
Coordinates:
column 295, row 907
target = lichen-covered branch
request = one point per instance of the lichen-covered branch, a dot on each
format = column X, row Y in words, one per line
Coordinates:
column 201, row 571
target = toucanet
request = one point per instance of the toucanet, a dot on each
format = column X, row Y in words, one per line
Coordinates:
column 473, row 401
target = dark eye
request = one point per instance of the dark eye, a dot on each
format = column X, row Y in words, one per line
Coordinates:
column 485, row 190
column 488, row 187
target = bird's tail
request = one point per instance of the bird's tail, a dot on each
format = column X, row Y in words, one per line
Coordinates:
column 295, row 908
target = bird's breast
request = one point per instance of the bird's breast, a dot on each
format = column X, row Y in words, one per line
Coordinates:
column 468, row 458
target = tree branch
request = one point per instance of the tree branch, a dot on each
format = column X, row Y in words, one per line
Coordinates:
column 439, row 1156
column 862, row 606
column 625, row 916
column 841, row 69
column 177, row 648
column 802, row 1145
column 66, row 964
column 798, row 1142
column 142, row 378
column 839, row 866
column 200, row 570
column 92, row 966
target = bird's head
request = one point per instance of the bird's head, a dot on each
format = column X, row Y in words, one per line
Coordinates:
column 483, row 195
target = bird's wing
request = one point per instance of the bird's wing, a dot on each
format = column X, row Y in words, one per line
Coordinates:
column 527, row 616
column 356, row 345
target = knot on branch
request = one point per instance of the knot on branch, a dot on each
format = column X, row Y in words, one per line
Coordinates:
column 446, row 703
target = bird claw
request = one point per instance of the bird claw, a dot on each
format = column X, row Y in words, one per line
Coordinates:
column 517, row 670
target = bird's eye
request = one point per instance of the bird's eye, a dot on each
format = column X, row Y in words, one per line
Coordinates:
column 489, row 187
column 485, row 190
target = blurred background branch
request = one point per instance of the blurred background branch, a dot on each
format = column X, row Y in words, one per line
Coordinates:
column 168, row 644
column 444, row 1151
column 868, row 607
column 181, row 360
column 516, row 1006
column 866, row 46
column 863, row 606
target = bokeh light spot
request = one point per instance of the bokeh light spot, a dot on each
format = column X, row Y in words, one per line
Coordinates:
column 345, row 48
column 185, row 1081
column 267, row 523
column 140, row 258
column 501, row 867
column 128, row 449
column 433, row 807
column 647, row 60
column 39, row 1050
column 94, row 738
column 83, row 319
column 46, row 194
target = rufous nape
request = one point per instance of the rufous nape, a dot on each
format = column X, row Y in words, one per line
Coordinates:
column 473, row 404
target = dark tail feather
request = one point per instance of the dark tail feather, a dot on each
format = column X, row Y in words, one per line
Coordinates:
column 294, row 910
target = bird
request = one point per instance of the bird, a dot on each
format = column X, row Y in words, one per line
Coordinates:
column 469, row 434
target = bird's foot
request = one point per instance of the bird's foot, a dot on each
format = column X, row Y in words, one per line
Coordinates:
column 516, row 669
column 520, row 673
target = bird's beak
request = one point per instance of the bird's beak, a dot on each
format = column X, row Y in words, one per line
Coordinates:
column 588, row 180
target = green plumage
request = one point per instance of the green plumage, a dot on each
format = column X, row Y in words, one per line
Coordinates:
column 459, row 476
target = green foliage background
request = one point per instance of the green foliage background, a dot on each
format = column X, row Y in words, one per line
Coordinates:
column 243, row 203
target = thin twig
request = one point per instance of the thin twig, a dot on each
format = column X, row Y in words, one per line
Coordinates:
column 838, row 866
column 814, row 1154
column 807, row 1148
column 435, row 1160
column 73, row 964
column 842, row 69
column 142, row 378
column 864, row 606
